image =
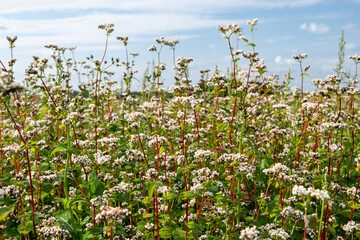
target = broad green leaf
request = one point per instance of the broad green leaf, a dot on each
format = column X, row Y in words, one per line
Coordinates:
column 42, row 113
column 113, row 127
column 356, row 206
column 179, row 234
column 93, row 182
column 25, row 227
column 151, row 188
column 73, row 201
column 188, row 195
column 57, row 149
column 332, row 230
column 147, row 215
column 4, row 211
column 64, row 218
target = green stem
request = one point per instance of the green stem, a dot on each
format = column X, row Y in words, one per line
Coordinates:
column 67, row 164
column 322, row 214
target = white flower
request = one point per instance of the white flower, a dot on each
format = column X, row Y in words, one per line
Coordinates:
column 351, row 226
column 249, row 233
column 299, row 191
column 279, row 233
column 2, row 194
column 322, row 194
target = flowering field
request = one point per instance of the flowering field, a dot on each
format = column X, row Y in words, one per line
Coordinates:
column 235, row 156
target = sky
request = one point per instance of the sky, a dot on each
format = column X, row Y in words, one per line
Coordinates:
column 285, row 28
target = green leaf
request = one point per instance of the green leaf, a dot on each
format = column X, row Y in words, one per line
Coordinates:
column 180, row 170
column 251, row 44
column 4, row 177
column 195, row 227
column 85, row 220
column 304, row 74
column 179, row 234
column 263, row 163
column 165, row 232
column 188, row 195
column 170, row 196
column 64, row 218
column 356, row 206
column 25, row 227
column 73, row 201
column 93, row 182
column 4, row 211
column 151, row 188
column 161, row 150
column 57, row 149
column 147, row 215
column 44, row 166
column 113, row 127
column 332, row 230
column 141, row 226
column 42, row 113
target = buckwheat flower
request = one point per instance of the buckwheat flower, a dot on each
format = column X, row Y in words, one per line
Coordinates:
column 160, row 40
column 124, row 39
column 322, row 194
column 299, row 191
column 110, row 213
column 357, row 161
column 164, row 189
column 279, row 233
column 249, row 233
column 299, row 57
column 351, row 226
column 109, row 27
column 287, row 211
column 203, row 237
column 97, row 62
column 152, row 48
column 278, row 168
column 238, row 52
column 2, row 194
column 170, row 44
column 11, row 41
column 149, row 226
column 82, row 160
column 100, row 200
column 102, row 159
column 222, row 29
column 355, row 57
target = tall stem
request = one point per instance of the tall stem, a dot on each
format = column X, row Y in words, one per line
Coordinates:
column 96, row 96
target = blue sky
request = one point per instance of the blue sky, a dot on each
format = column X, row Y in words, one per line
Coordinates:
column 285, row 28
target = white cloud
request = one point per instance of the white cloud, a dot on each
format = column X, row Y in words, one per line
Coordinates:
column 325, row 16
column 351, row 47
column 154, row 5
column 349, row 27
column 278, row 60
column 212, row 46
column 278, row 39
column 79, row 30
column 315, row 28
column 283, row 61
